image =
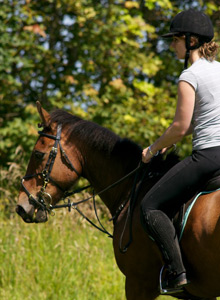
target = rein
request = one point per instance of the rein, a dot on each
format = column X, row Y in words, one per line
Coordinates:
column 73, row 205
column 44, row 197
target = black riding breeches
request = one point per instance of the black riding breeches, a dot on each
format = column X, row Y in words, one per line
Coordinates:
column 183, row 180
column 172, row 190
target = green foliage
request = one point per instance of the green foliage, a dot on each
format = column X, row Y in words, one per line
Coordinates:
column 10, row 183
column 102, row 60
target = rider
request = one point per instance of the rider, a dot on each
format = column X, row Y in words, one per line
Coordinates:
column 197, row 112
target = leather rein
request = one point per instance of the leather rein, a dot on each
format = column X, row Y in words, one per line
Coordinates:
column 45, row 199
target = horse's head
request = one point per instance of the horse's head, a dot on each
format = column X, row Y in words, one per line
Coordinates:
column 53, row 168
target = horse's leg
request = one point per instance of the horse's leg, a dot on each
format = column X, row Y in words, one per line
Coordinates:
column 138, row 289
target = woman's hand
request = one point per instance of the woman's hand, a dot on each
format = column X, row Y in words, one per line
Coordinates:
column 147, row 153
column 146, row 156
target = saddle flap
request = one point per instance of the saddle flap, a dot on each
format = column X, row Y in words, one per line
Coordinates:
column 213, row 183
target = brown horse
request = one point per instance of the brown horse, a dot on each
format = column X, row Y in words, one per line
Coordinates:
column 103, row 158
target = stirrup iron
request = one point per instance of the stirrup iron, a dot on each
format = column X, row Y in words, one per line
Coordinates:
column 170, row 291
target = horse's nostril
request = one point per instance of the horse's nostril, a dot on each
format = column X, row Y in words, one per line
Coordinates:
column 20, row 210
column 22, row 213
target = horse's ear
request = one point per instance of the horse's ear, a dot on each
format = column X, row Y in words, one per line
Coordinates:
column 44, row 115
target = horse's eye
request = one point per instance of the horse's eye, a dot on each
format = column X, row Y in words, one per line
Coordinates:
column 39, row 155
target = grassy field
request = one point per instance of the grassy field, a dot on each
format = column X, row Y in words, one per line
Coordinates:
column 57, row 260
column 63, row 259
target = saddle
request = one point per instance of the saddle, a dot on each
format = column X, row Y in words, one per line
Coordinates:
column 213, row 183
column 181, row 217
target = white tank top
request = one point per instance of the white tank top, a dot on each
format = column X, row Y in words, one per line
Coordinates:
column 204, row 76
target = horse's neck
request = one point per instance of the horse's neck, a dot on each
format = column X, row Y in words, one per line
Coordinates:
column 102, row 173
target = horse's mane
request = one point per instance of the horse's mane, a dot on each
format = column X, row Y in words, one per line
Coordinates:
column 102, row 139
column 96, row 136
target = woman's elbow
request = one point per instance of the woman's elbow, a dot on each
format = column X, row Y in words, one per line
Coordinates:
column 180, row 130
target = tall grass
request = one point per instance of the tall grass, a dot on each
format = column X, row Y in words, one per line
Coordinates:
column 57, row 260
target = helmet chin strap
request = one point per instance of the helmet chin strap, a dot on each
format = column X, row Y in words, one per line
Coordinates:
column 188, row 48
column 186, row 59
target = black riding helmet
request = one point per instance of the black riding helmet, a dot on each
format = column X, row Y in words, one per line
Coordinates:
column 191, row 23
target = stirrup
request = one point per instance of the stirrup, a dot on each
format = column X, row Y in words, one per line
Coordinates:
column 169, row 291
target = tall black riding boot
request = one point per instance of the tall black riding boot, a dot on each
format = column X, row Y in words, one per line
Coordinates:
column 160, row 228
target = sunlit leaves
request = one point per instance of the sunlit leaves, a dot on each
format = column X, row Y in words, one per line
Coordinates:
column 152, row 4
column 145, row 87
column 131, row 4
column 102, row 60
column 212, row 7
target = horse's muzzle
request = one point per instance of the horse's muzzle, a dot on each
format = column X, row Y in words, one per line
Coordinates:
column 33, row 216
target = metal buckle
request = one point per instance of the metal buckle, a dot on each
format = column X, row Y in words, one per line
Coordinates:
column 45, row 198
column 54, row 150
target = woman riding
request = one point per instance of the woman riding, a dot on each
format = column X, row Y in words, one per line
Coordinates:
column 197, row 112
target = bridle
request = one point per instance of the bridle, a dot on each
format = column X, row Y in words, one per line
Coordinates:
column 44, row 200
